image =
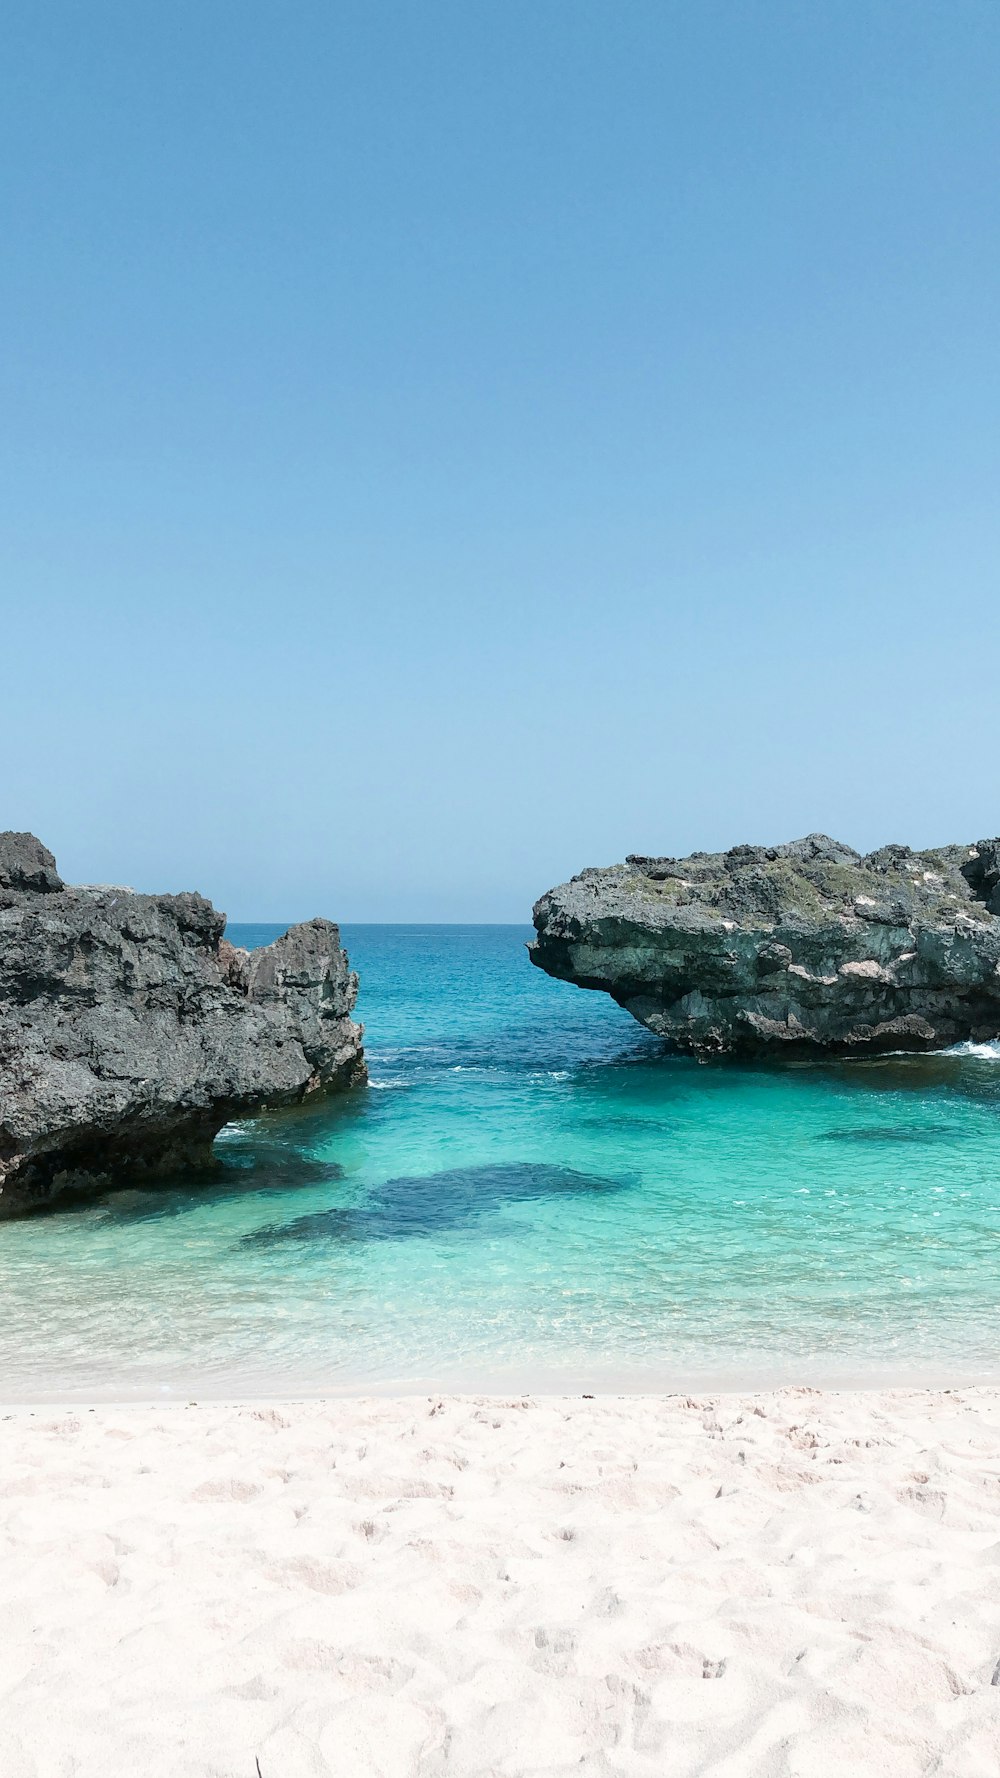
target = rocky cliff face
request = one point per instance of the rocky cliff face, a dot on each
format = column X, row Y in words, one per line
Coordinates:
column 131, row 1031
column 804, row 948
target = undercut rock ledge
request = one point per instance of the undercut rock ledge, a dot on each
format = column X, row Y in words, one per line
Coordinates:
column 131, row 1030
column 806, row 948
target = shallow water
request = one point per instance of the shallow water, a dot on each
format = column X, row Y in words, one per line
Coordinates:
column 531, row 1195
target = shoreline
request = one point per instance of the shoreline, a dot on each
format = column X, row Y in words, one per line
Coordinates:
column 724, row 1385
column 445, row 1586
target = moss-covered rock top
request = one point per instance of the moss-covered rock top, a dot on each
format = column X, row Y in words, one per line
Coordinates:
column 819, row 876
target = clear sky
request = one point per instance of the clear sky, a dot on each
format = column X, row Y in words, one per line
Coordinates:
column 447, row 444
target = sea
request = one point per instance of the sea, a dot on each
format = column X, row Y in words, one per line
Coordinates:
column 532, row 1196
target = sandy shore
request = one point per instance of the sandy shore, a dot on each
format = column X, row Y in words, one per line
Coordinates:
column 790, row 1583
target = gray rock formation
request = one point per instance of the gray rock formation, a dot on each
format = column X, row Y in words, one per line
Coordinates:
column 806, row 948
column 131, row 1030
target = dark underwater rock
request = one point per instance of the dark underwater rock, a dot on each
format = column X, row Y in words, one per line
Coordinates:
column 807, row 948
column 131, row 1030
column 428, row 1203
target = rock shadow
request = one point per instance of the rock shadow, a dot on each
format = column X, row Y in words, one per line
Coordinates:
column 957, row 1075
column 266, row 1167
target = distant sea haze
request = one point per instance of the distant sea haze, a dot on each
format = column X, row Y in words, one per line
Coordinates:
column 532, row 1195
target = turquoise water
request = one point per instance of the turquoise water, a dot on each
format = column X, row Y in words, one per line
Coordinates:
column 531, row 1195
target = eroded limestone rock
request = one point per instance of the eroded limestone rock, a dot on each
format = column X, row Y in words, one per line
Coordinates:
column 807, row 947
column 131, row 1030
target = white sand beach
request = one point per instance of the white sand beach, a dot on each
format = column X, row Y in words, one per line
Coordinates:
column 788, row 1583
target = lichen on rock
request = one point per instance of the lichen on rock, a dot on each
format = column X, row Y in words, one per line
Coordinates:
column 131, row 1030
column 807, row 947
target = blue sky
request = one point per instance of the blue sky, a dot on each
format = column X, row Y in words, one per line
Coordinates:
column 447, row 445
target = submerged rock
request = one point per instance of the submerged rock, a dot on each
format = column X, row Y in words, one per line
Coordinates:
column 131, row 1030
column 807, row 948
column 418, row 1205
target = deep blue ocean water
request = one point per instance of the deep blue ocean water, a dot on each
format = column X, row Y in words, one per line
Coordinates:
column 531, row 1195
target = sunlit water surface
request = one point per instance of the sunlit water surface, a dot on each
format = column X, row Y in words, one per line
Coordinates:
column 530, row 1195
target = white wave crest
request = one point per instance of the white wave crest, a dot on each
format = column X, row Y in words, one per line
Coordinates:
column 983, row 1052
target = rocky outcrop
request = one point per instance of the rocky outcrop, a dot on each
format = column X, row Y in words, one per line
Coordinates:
column 806, row 948
column 131, row 1030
